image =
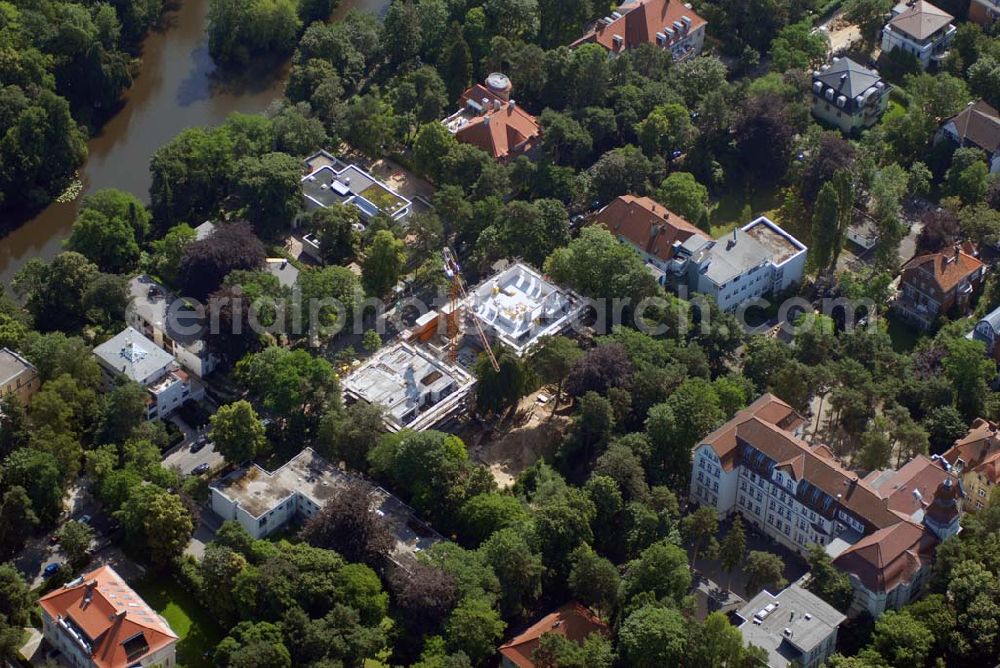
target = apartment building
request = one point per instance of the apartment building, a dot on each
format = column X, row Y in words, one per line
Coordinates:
column 171, row 323
column 18, row 377
column 984, row 12
column 132, row 356
column 98, row 621
column 671, row 25
column 975, row 458
column 755, row 260
column 881, row 528
column 848, row 96
column 921, row 29
column 933, row 284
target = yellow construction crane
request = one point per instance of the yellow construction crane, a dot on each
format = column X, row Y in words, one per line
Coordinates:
column 458, row 293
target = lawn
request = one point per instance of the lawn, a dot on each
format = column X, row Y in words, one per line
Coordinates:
column 728, row 211
column 197, row 629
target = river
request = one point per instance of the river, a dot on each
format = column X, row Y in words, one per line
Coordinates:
column 176, row 88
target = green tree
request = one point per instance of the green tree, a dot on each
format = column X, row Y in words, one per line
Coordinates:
column 901, row 640
column 969, row 372
column 667, row 128
column 661, row 570
column 237, row 432
column 681, row 193
column 484, row 514
column 330, row 296
column 474, row 628
column 764, row 570
column 593, row 580
column 868, row 15
column 166, row 253
column 653, row 636
column 270, row 190
column 733, row 547
column 54, row 292
column 239, row 30
column 798, row 46
column 108, row 230
column 350, row 434
column 827, row 582
column 75, row 539
column 38, row 474
column 497, row 392
column 699, row 528
column 517, row 566
column 456, row 60
column 168, row 527
column 190, row 173
column 876, row 446
column 825, row 230
column 20, row 521
column 383, row 263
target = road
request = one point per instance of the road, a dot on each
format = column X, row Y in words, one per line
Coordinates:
column 181, row 457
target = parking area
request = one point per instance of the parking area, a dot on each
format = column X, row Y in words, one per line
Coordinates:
column 194, row 451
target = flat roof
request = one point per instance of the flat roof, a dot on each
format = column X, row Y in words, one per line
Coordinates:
column 757, row 243
column 416, row 388
column 343, row 183
column 164, row 310
column 133, row 355
column 520, row 306
column 12, row 365
column 779, row 243
column 258, row 491
column 788, row 624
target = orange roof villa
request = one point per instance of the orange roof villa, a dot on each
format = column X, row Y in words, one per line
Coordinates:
column 494, row 122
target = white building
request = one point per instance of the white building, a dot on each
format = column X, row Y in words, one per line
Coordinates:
column 171, row 323
column 518, row 307
column 264, row 501
column 848, row 96
column 131, row 355
column 881, row 529
column 921, row 29
column 758, row 259
column 331, row 181
column 795, row 626
column 416, row 389
column 98, row 621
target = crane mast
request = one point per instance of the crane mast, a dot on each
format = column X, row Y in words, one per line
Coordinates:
column 458, row 292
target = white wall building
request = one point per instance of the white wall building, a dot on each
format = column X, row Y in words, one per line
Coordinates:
column 882, row 529
column 131, row 355
column 794, row 626
column 848, row 96
column 264, row 501
column 921, row 29
column 758, row 259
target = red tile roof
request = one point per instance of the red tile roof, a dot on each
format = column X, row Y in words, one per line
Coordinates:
column 640, row 21
column 947, row 269
column 573, row 621
column 889, row 556
column 111, row 614
column 504, row 129
column 979, row 450
column 648, row 225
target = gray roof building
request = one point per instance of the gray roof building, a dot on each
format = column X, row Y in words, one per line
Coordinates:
column 342, row 183
column 132, row 355
column 793, row 625
column 846, row 78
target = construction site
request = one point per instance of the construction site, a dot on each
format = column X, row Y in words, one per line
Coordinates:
column 424, row 378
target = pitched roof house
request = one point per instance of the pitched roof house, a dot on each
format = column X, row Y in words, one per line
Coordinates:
column 658, row 234
column 933, row 284
column 491, row 120
column 848, row 95
column 987, row 331
column 975, row 458
column 881, row 529
column 921, row 29
column 99, row 621
column 669, row 24
column 572, row 621
column 976, row 126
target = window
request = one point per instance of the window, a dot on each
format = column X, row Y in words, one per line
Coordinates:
column 982, row 492
column 715, row 487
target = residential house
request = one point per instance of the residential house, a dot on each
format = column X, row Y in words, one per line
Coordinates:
column 131, row 355
column 987, row 331
column 265, row 501
column 98, row 621
column 976, row 126
column 984, row 12
column 572, row 621
column 795, row 627
column 848, row 95
column 662, row 239
column 757, row 259
column 18, row 377
column 975, row 458
column 881, row 528
column 336, row 182
column 171, row 323
column 669, row 24
column 935, row 284
column 921, row 29
column 489, row 118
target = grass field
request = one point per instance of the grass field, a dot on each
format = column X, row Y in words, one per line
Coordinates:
column 198, row 631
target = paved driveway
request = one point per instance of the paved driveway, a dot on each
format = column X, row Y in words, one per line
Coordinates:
column 182, row 458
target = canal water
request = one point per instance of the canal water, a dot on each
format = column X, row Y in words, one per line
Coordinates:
column 177, row 88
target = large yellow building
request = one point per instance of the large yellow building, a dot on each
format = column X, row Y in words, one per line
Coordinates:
column 976, row 460
column 18, row 376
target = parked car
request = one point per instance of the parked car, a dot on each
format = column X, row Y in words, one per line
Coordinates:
column 85, row 519
column 200, row 469
column 199, row 443
column 51, row 570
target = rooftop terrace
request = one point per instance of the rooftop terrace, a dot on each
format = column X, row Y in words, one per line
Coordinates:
column 349, row 184
column 520, row 307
